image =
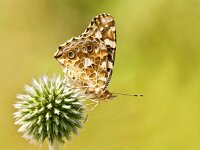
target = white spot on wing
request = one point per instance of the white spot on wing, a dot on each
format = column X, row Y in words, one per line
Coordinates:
column 88, row 62
column 103, row 20
column 96, row 50
column 107, row 19
column 63, row 44
column 112, row 28
column 103, row 79
column 103, row 65
column 70, row 40
column 110, row 65
column 107, row 41
column 112, row 44
column 62, row 61
column 65, row 70
column 98, row 34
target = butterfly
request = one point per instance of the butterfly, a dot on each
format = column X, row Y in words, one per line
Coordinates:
column 88, row 59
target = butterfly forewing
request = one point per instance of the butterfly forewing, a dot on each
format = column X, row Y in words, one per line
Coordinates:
column 88, row 60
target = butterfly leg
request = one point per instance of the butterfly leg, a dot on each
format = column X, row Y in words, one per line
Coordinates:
column 82, row 107
column 95, row 104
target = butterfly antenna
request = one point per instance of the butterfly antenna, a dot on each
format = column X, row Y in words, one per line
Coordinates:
column 141, row 95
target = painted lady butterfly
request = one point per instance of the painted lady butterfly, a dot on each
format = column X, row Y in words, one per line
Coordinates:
column 88, row 60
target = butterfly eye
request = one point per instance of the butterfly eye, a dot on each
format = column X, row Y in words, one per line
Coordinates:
column 89, row 48
column 70, row 54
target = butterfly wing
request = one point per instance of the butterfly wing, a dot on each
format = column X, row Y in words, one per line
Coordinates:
column 103, row 28
column 94, row 53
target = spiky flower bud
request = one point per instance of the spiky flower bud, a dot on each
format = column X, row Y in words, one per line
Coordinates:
column 49, row 110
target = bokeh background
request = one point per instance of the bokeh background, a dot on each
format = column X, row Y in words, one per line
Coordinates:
column 158, row 54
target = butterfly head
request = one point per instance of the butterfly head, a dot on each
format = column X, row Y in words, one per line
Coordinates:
column 107, row 95
column 110, row 96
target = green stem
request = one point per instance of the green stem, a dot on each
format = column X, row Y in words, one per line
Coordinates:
column 54, row 145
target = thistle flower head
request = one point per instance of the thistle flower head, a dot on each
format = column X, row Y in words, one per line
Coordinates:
column 49, row 110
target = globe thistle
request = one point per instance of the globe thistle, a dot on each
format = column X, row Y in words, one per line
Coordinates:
column 49, row 110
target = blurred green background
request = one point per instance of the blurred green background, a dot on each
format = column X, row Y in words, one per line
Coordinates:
column 158, row 54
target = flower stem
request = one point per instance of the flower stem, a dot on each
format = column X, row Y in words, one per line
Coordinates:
column 54, row 145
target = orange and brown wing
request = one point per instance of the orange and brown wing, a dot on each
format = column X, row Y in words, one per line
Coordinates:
column 94, row 53
column 103, row 28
